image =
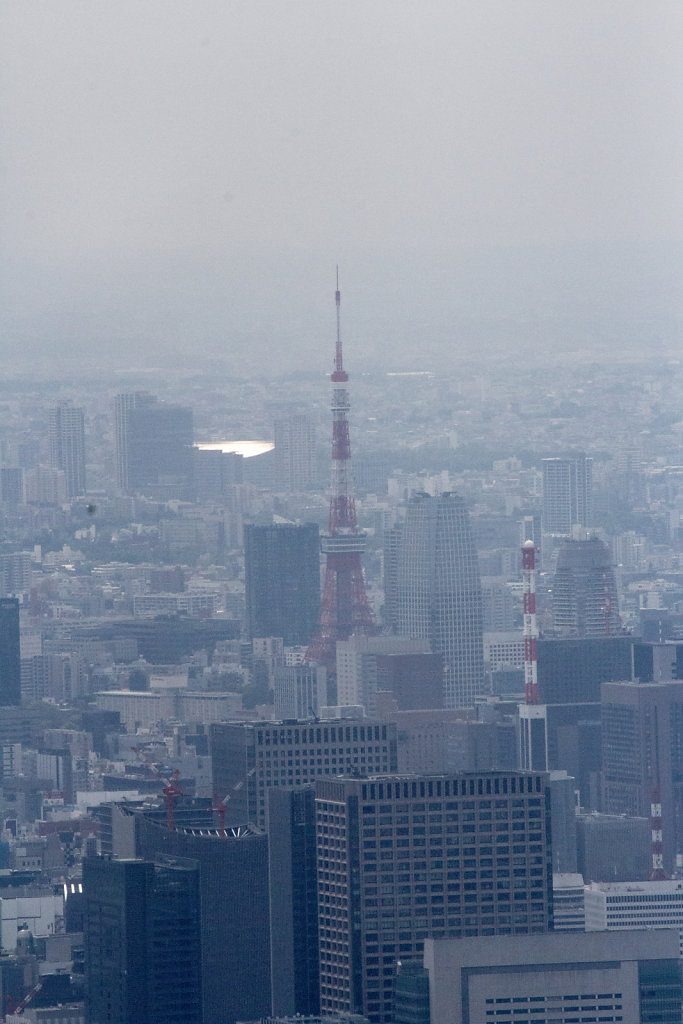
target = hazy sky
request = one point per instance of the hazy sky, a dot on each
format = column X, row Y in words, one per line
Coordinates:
column 183, row 177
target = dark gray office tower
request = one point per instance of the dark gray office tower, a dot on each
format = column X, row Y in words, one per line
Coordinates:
column 10, row 655
column 585, row 600
column 613, row 847
column 563, row 821
column 567, row 494
column 233, row 899
column 414, row 680
column 258, row 756
column 67, row 445
column 282, row 580
column 657, row 662
column 153, row 446
column 437, row 593
column 142, row 942
column 401, row 859
column 215, row 472
column 411, row 994
column 571, row 671
column 642, row 753
column 293, row 901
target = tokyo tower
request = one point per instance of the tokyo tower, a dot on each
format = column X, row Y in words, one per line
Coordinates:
column 344, row 608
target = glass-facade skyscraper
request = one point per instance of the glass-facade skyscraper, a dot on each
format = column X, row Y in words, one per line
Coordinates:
column 437, row 592
column 154, row 453
column 282, row 581
column 142, row 941
column 10, row 663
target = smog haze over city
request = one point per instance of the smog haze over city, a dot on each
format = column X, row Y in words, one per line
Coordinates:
column 178, row 182
column 341, row 511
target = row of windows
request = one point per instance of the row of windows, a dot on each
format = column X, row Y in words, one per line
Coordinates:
column 452, row 787
column 503, row 1016
column 438, row 806
column 403, row 823
column 669, row 897
column 320, row 734
column 555, row 998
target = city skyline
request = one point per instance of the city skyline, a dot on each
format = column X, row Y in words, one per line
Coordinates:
column 275, row 738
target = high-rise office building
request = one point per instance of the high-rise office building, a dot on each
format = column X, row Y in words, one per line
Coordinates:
column 567, row 494
column 295, row 452
column 563, row 729
column 642, row 754
column 10, row 653
column 585, row 600
column 657, row 662
column 401, row 859
column 153, row 446
column 258, row 756
column 234, row 911
column 401, row 665
column 571, row 670
column 215, row 472
column 293, row 901
column 282, row 581
column 438, row 591
column 613, row 847
column 300, row 691
column 123, row 404
column 67, row 445
column 142, row 941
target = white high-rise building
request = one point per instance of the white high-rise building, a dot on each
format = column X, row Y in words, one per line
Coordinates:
column 567, row 494
column 295, row 452
column 437, row 591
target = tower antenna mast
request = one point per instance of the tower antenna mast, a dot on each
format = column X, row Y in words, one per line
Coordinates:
column 344, row 608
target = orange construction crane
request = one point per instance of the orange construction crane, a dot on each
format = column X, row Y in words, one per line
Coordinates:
column 220, row 806
column 19, row 1008
column 171, row 790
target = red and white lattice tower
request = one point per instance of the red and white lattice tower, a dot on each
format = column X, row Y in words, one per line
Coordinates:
column 344, row 609
column 530, row 625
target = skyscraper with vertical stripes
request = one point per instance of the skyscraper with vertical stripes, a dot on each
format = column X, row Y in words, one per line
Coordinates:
column 67, row 445
column 437, row 591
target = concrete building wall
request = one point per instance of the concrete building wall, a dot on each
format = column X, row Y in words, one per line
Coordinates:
column 558, row 977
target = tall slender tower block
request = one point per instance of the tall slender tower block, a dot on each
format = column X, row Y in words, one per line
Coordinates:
column 438, row 591
column 530, row 625
column 344, row 608
column 67, row 445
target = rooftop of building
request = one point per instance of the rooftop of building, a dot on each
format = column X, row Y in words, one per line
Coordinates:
column 666, row 885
